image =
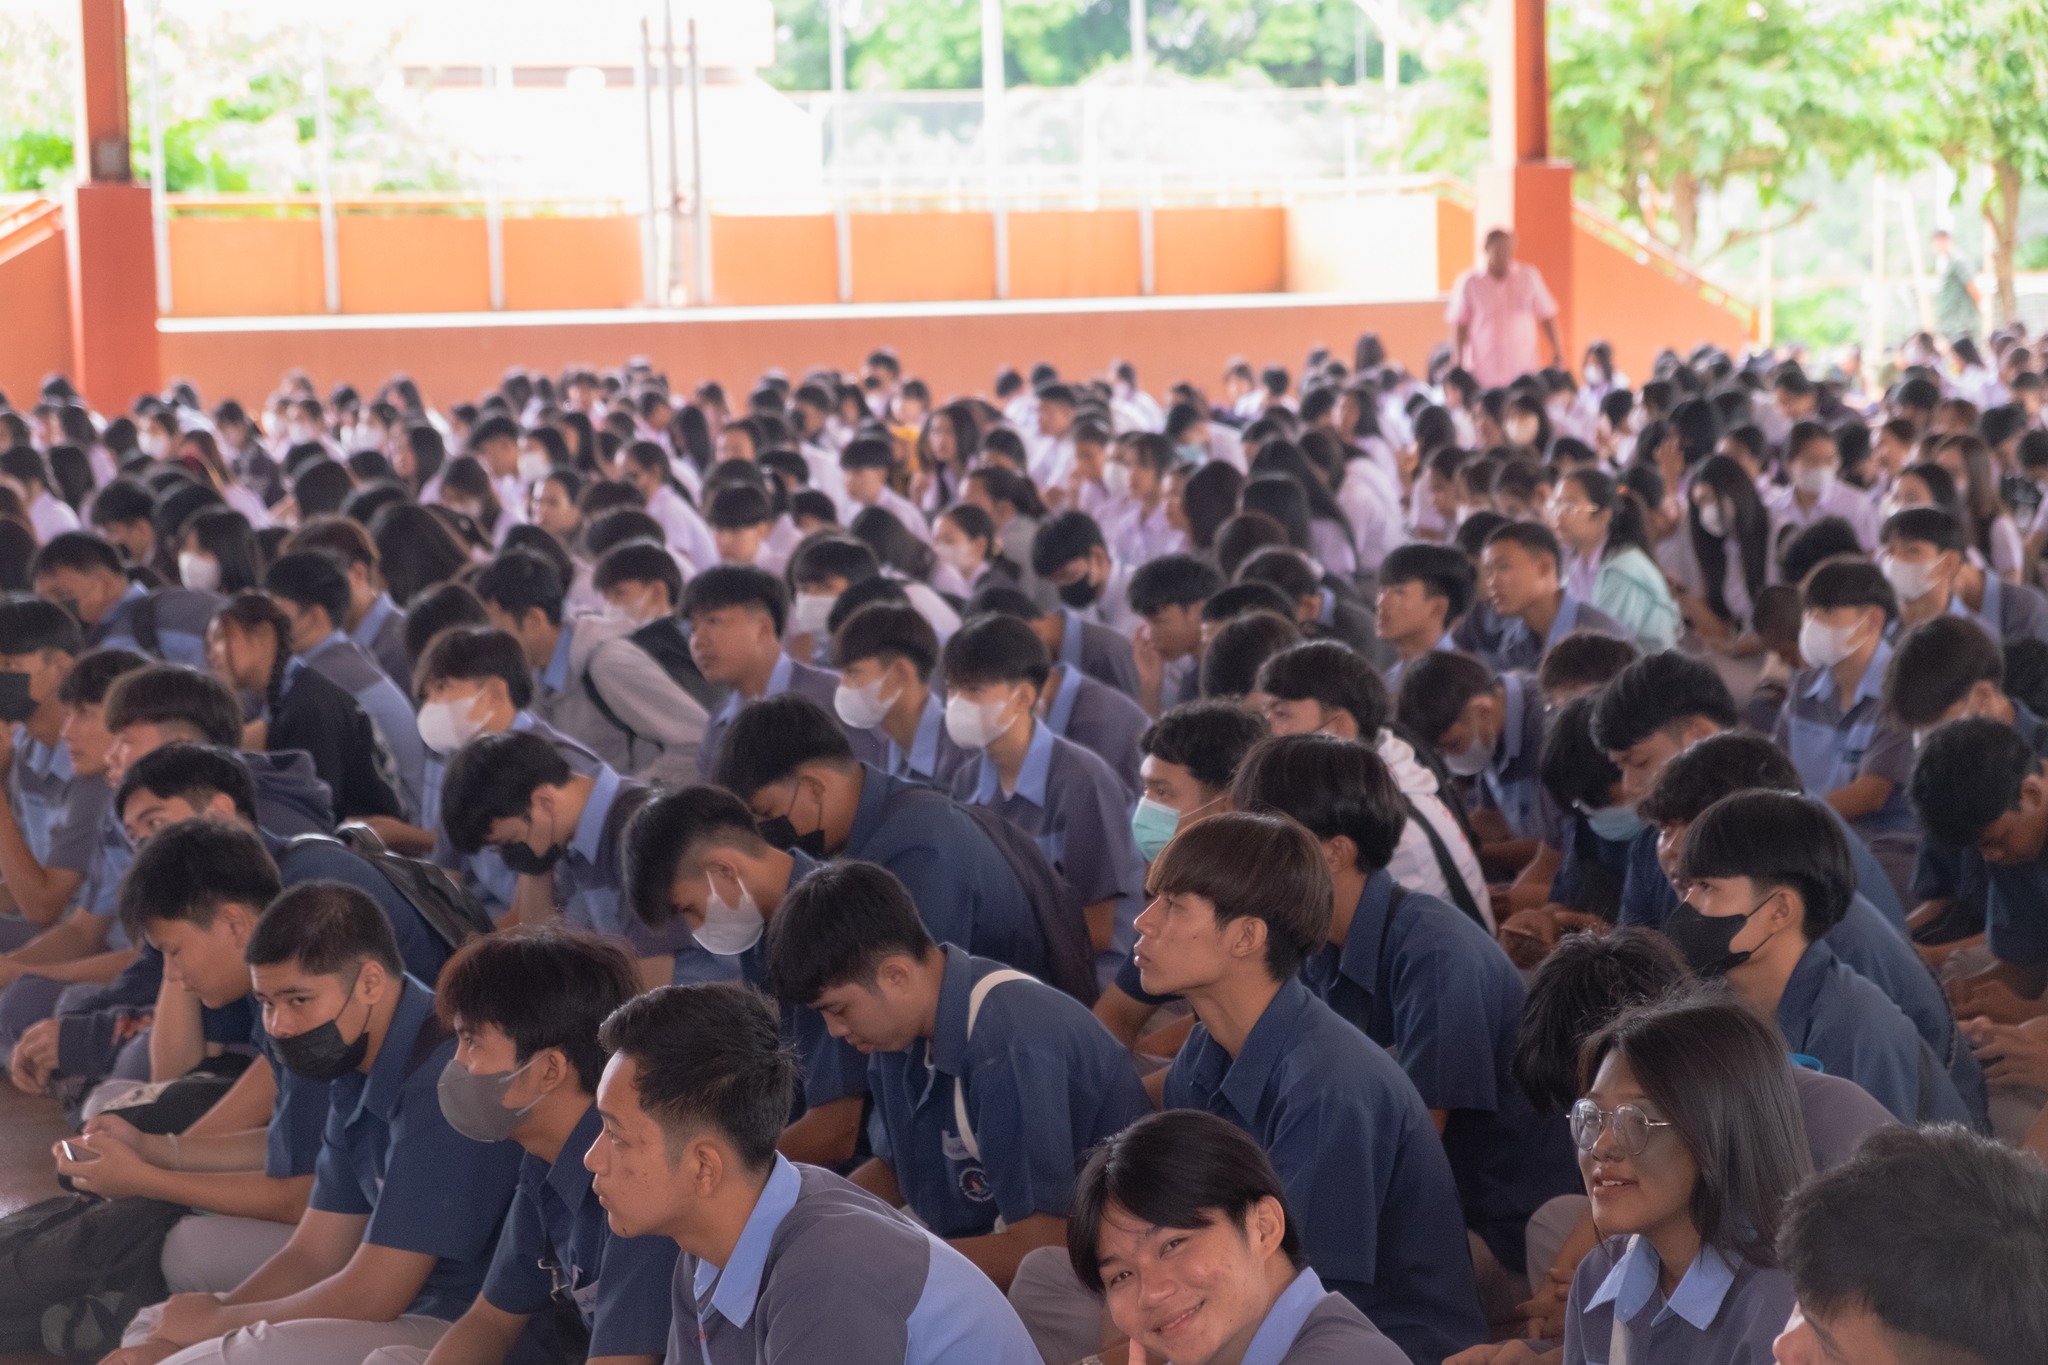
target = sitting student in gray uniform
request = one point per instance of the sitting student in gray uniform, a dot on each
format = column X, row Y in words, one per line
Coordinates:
column 1181, row 1224
column 782, row 1264
column 989, row 1085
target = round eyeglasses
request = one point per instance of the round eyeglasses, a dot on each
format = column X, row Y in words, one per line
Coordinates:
column 1630, row 1126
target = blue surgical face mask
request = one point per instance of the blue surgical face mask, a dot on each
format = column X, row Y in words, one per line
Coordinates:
column 1152, row 826
column 1615, row 824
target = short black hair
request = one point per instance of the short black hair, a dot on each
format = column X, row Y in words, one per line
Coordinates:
column 545, row 986
column 995, row 648
column 887, row 631
column 519, row 581
column 1333, row 674
column 1233, row 660
column 1242, row 599
column 1175, row 580
column 124, row 500
column 1849, row 583
column 493, row 778
column 868, row 452
column 186, row 872
column 709, row 1056
column 473, row 653
column 327, row 929
column 1829, row 538
column 1932, row 525
column 1940, row 1234
column 735, row 506
column 1532, row 537
column 80, row 551
column 29, row 625
column 639, row 561
column 1330, row 786
column 1208, row 738
column 1935, row 665
column 1266, row 867
column 171, row 694
column 311, row 578
column 1655, row 693
column 1586, row 982
column 835, row 927
column 667, row 835
column 193, row 771
column 737, row 585
column 1717, row 766
column 1442, row 570
column 833, row 556
column 770, row 739
column 1436, row 688
column 94, row 672
column 1776, row 839
column 1285, row 568
column 1966, row 775
column 1585, row 658
column 1180, row 1169
column 618, row 525
column 1063, row 538
column 1573, row 769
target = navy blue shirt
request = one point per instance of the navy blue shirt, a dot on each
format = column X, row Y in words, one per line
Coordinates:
column 1512, row 782
column 1045, row 1082
column 558, row 1233
column 1101, row 719
column 388, row 1154
column 1834, row 1016
column 1364, row 1170
column 963, row 889
column 1433, row 988
column 1647, row 897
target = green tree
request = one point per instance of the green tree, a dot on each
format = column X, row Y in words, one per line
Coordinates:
column 1986, row 97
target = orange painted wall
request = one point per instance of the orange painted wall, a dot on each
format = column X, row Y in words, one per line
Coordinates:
column 953, row 353
column 571, row 262
column 1454, row 228
column 918, row 257
column 245, row 267
column 1640, row 310
column 774, row 258
column 1075, row 254
column 1219, row 251
column 35, row 316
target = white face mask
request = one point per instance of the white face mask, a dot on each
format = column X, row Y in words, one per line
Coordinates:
column 1473, row 760
column 973, row 724
column 154, row 444
column 1117, row 479
column 1711, row 520
column 199, row 572
column 862, row 707
column 729, row 929
column 1815, row 480
column 1910, row 581
column 446, row 726
column 534, row 467
column 1823, row 645
column 812, row 611
column 960, row 555
column 633, row 613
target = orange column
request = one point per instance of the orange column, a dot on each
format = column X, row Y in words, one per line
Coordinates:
column 110, row 252
column 1522, row 189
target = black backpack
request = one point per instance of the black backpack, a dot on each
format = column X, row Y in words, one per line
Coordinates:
column 1062, row 918
column 451, row 912
column 142, row 622
column 663, row 641
column 74, row 1270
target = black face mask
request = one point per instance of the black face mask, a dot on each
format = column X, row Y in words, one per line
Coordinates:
column 526, row 863
column 1080, row 593
column 319, row 1054
column 780, row 833
column 1703, row 939
column 16, row 705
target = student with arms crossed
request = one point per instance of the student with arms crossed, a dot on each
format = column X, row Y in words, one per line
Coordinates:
column 782, row 1264
column 525, row 1006
column 989, row 1085
column 1181, row 1224
column 1239, row 902
column 398, row 1230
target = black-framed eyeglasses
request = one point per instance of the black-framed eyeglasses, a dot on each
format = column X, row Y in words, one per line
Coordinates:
column 1630, row 1126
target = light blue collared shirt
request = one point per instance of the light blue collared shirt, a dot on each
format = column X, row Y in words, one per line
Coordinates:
column 778, row 683
column 1070, row 638
column 1633, row 1282
column 1724, row 1311
column 923, row 758
column 1062, row 713
column 1030, row 778
column 556, row 675
column 739, row 1280
column 1283, row 1320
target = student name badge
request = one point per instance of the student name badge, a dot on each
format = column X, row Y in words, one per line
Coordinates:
column 972, row 1179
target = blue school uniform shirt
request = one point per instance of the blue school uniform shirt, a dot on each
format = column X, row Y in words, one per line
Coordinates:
column 1310, row 1325
column 1102, row 720
column 1867, row 944
column 181, row 618
column 824, row 1271
column 1433, row 988
column 957, row 878
column 587, row 877
column 1444, row 645
column 1832, row 745
column 1518, row 649
column 787, row 675
column 1363, row 1167
column 492, row 882
column 1094, row 649
column 1069, row 801
column 1044, row 1082
column 389, row 1155
column 557, row 1234
column 1839, row 1019
column 1512, row 782
column 932, row 758
column 39, row 779
column 1724, row 1311
column 2008, row 611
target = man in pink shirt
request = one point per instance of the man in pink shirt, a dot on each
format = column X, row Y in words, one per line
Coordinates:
column 1497, row 312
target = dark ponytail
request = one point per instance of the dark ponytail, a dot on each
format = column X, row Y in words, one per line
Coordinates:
column 246, row 612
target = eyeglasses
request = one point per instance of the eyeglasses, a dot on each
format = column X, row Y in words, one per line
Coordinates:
column 1629, row 1125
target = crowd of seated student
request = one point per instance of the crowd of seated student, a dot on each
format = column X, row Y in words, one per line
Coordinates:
column 1372, row 868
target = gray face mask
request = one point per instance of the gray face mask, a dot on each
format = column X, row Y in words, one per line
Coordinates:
column 475, row 1105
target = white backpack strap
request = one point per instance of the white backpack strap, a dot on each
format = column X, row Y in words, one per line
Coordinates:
column 974, row 999
column 1617, row 1340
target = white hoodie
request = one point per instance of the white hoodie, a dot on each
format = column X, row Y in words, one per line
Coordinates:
column 1414, row 863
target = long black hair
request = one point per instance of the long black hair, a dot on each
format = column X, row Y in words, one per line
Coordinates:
column 1751, row 530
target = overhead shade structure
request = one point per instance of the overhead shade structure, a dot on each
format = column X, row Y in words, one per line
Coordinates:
column 1521, row 188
